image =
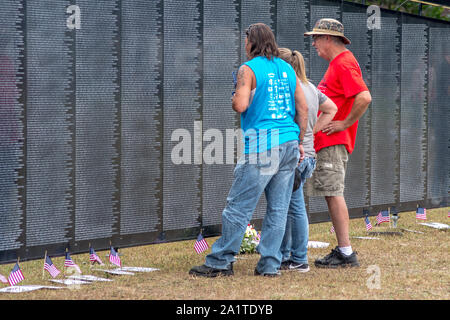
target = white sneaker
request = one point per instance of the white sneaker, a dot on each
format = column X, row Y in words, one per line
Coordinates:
column 300, row 267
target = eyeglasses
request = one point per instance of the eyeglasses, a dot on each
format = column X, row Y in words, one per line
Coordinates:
column 316, row 37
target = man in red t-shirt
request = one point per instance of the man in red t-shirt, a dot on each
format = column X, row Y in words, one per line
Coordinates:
column 344, row 85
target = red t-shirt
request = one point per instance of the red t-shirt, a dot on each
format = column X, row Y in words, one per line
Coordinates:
column 342, row 81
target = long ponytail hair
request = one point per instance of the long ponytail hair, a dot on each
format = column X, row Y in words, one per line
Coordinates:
column 295, row 59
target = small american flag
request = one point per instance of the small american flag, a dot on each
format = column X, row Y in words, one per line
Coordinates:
column 50, row 267
column 421, row 214
column 15, row 276
column 383, row 216
column 332, row 229
column 201, row 244
column 368, row 224
column 93, row 257
column 114, row 257
column 69, row 263
column 3, row 279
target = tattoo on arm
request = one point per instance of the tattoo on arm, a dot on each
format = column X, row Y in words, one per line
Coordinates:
column 240, row 77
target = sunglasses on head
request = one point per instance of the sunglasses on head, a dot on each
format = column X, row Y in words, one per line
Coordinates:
column 247, row 31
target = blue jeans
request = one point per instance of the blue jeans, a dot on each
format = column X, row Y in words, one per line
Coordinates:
column 295, row 242
column 251, row 178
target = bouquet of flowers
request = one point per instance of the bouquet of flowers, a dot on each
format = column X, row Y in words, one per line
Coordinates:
column 250, row 241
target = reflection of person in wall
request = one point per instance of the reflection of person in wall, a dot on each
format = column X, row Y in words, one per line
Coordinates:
column 438, row 81
column 342, row 83
column 278, row 107
column 444, row 80
column 295, row 243
column 438, row 125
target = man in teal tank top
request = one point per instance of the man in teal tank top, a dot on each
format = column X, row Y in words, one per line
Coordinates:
column 273, row 117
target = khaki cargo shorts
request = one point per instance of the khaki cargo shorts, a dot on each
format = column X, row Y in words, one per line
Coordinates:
column 329, row 176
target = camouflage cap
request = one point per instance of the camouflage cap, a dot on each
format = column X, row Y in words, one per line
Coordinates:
column 330, row 27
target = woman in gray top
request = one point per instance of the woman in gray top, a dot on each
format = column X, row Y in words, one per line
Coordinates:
column 295, row 242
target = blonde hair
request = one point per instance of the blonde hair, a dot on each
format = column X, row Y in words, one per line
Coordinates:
column 295, row 59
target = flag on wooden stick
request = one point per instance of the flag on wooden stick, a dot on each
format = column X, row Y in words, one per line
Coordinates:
column 421, row 214
column 16, row 275
column 114, row 257
column 201, row 244
column 93, row 257
column 383, row 216
column 332, row 229
column 50, row 267
column 368, row 224
column 68, row 262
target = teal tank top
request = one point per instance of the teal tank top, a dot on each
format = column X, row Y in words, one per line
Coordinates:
column 269, row 119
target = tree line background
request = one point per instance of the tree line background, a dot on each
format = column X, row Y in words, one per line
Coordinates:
column 431, row 11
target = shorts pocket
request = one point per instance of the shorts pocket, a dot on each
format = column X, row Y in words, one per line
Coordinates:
column 329, row 177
